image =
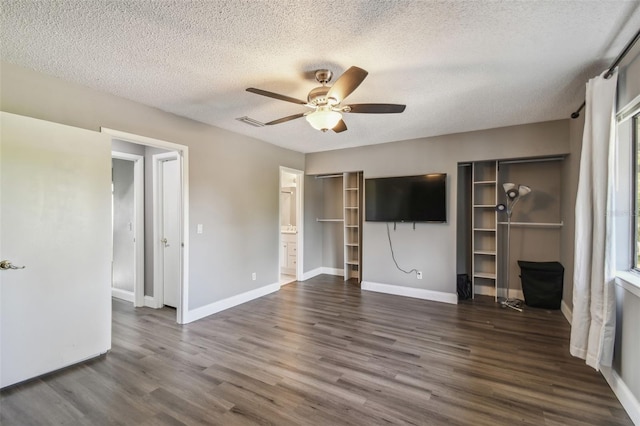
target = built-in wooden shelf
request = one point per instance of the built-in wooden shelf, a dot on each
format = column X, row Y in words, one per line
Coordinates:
column 352, row 201
column 484, row 219
column 486, row 275
column 486, row 252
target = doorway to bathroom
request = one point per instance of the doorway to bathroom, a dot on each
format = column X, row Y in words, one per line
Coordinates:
column 291, row 194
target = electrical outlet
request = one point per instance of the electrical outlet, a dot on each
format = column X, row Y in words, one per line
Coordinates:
column 419, row 274
column 254, row 276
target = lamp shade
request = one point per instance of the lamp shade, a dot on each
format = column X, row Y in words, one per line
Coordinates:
column 523, row 190
column 324, row 120
column 508, row 186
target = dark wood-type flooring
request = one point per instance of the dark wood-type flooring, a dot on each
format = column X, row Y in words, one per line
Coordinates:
column 322, row 352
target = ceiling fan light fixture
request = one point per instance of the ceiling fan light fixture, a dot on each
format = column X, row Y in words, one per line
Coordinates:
column 326, row 101
column 323, row 119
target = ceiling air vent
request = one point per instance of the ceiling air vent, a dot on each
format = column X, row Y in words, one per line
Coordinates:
column 250, row 121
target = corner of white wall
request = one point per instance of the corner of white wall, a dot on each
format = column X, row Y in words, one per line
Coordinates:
column 566, row 311
column 310, row 274
column 320, row 271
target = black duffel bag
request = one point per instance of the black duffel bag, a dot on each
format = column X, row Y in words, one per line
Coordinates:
column 542, row 283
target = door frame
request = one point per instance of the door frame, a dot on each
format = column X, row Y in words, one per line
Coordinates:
column 299, row 220
column 138, row 223
column 183, row 156
column 158, row 220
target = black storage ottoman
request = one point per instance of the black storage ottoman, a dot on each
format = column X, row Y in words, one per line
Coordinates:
column 542, row 283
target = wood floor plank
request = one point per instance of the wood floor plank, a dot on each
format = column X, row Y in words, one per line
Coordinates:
column 323, row 352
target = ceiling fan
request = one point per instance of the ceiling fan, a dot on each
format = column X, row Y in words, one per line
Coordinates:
column 326, row 101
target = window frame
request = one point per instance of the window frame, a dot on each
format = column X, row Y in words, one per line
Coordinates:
column 635, row 187
column 627, row 189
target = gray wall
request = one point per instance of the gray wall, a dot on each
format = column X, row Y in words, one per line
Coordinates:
column 123, row 217
column 127, row 147
column 431, row 247
column 240, row 215
column 313, row 230
column 333, row 232
column 323, row 200
column 463, row 221
column 543, row 205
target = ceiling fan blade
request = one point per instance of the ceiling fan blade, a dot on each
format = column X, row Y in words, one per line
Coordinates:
column 377, row 108
column 340, row 127
column 275, row 96
column 347, row 83
column 284, row 119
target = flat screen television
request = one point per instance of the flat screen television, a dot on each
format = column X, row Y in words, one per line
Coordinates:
column 406, row 199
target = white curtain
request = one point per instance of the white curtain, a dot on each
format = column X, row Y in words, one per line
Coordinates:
column 593, row 322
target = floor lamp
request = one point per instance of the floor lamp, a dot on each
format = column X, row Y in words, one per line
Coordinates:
column 514, row 194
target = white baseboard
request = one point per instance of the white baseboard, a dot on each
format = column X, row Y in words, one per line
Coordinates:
column 417, row 293
column 489, row 290
column 624, row 394
column 122, row 294
column 230, row 302
column 333, row 271
column 322, row 270
column 312, row 273
column 150, row 302
column 566, row 311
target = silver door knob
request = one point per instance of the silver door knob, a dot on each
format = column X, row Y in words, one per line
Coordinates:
column 5, row 264
column 165, row 242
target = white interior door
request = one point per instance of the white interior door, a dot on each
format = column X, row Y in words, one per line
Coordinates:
column 171, row 231
column 55, row 220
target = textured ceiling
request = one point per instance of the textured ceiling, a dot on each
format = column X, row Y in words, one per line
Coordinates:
column 457, row 65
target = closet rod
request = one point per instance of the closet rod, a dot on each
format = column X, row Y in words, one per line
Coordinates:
column 531, row 160
column 612, row 67
column 535, row 224
column 327, row 176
